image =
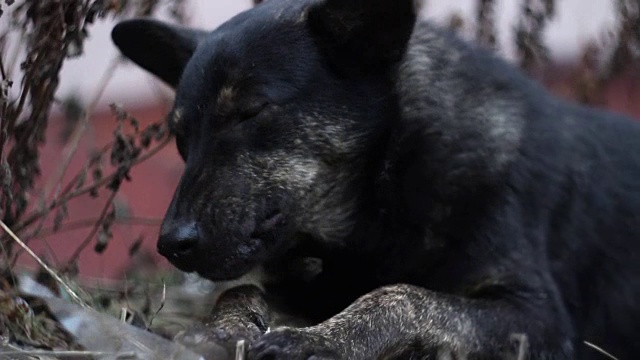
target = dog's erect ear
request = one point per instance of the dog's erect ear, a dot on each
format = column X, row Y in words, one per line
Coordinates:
column 363, row 34
column 160, row 48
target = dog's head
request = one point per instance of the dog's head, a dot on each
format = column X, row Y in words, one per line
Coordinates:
column 275, row 114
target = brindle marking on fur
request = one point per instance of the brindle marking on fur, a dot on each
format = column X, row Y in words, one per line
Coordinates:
column 479, row 114
column 395, row 153
column 303, row 17
column 226, row 99
column 176, row 117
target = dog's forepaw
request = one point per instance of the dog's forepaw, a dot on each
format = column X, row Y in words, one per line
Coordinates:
column 225, row 335
column 233, row 335
column 292, row 344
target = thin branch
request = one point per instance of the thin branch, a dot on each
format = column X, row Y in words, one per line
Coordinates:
column 485, row 17
column 85, row 170
column 69, row 187
column 14, row 60
column 28, row 220
column 81, row 127
column 46, row 267
column 3, row 72
column 81, row 224
column 94, row 231
column 162, row 303
column 600, row 350
column 3, row 113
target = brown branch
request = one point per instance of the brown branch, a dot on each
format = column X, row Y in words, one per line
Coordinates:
column 79, row 130
column 46, row 267
column 13, row 61
column 3, row 114
column 3, row 72
column 485, row 17
column 33, row 217
column 81, row 224
column 69, row 187
column 85, row 169
column 94, row 231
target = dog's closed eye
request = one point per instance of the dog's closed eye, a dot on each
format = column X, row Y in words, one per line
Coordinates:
column 253, row 109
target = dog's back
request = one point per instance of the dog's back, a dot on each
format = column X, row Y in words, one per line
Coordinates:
column 593, row 241
column 567, row 175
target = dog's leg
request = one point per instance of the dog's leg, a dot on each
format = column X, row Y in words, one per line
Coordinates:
column 241, row 313
column 404, row 321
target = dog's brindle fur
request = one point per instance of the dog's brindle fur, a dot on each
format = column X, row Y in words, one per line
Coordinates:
column 452, row 202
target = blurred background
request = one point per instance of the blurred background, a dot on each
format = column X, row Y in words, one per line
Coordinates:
column 584, row 50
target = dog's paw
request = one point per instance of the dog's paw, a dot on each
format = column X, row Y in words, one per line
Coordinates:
column 292, row 344
column 225, row 335
column 236, row 332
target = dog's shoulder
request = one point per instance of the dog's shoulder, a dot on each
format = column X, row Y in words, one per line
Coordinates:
column 463, row 110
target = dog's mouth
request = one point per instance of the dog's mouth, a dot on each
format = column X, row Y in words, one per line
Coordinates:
column 262, row 242
column 182, row 265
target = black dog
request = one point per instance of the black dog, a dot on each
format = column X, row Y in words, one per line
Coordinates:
column 408, row 193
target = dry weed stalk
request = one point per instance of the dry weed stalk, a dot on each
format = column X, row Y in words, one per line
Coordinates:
column 52, row 32
column 618, row 53
column 486, row 27
column 529, row 33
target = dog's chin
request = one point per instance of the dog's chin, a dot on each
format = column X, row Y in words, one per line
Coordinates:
column 231, row 268
column 241, row 261
column 184, row 267
column 226, row 274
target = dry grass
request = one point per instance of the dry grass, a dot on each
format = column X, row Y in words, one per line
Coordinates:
column 38, row 38
column 55, row 31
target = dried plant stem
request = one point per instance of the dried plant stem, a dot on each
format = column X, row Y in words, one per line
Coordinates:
column 81, row 127
column 69, row 187
column 3, row 72
column 600, row 350
column 81, row 224
column 162, row 303
column 28, row 220
column 485, row 17
column 85, row 169
column 3, row 114
column 49, row 270
column 15, row 56
column 94, row 231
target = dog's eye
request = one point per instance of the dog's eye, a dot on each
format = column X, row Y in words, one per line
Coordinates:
column 253, row 109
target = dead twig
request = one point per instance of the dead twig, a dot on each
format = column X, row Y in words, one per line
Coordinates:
column 600, row 350
column 94, row 231
column 81, row 127
column 30, row 219
column 485, row 17
column 162, row 302
column 85, row 223
column 49, row 270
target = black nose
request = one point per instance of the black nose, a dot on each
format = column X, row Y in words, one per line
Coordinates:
column 178, row 240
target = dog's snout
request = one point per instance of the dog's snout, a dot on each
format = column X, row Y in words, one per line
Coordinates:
column 179, row 240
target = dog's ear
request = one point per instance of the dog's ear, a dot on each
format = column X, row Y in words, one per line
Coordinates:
column 160, row 48
column 363, row 34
